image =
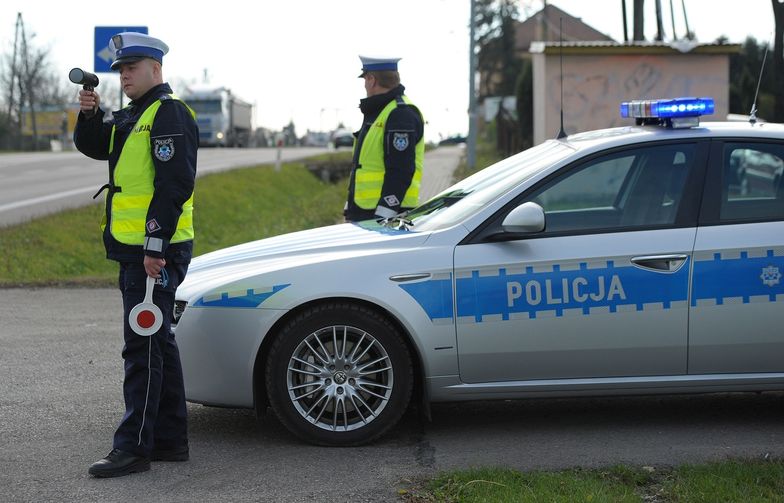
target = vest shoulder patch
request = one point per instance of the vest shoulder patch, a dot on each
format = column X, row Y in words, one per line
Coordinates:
column 163, row 149
column 400, row 141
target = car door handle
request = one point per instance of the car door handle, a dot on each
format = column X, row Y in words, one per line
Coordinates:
column 660, row 263
column 401, row 278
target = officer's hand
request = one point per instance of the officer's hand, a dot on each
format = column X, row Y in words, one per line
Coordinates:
column 153, row 266
column 88, row 102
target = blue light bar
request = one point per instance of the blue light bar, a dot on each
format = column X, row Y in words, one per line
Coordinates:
column 667, row 109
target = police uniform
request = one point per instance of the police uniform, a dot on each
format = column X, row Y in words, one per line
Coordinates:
column 388, row 152
column 151, row 148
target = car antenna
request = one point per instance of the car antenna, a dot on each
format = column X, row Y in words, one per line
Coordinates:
column 753, row 113
column 561, row 132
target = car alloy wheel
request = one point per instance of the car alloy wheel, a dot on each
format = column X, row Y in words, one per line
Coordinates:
column 339, row 375
column 340, row 378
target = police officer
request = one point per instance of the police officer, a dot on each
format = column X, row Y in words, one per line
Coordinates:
column 148, row 228
column 388, row 149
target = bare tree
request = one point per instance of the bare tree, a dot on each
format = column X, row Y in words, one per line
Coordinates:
column 29, row 82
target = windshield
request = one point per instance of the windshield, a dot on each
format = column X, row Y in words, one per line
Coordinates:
column 205, row 106
column 465, row 198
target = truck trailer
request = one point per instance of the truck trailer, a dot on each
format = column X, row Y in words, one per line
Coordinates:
column 224, row 120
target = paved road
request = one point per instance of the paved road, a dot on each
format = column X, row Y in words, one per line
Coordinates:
column 34, row 184
column 60, row 399
column 439, row 166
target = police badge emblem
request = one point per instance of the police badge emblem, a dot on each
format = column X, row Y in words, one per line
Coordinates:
column 770, row 275
column 164, row 149
column 400, row 141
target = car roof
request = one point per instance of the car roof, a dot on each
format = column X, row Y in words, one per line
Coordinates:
column 620, row 136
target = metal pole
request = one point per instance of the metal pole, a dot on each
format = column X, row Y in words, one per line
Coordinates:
column 686, row 20
column 472, row 118
column 625, row 24
column 638, row 21
column 659, row 24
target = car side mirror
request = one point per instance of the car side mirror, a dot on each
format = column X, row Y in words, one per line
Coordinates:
column 526, row 218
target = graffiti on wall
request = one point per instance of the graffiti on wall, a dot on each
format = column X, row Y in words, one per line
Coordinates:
column 593, row 88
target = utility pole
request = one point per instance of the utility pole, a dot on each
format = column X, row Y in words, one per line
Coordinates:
column 472, row 115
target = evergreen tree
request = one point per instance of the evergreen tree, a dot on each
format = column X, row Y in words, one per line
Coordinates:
column 497, row 59
column 745, row 71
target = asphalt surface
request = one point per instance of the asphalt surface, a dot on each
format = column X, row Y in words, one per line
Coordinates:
column 37, row 183
column 60, row 399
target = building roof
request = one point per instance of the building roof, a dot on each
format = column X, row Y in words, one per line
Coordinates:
column 545, row 26
column 638, row 47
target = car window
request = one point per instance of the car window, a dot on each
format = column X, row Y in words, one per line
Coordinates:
column 752, row 186
column 205, row 106
column 470, row 195
column 629, row 189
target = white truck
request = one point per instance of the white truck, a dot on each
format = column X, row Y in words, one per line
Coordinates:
column 224, row 120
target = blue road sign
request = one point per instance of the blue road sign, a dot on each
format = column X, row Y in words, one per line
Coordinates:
column 103, row 55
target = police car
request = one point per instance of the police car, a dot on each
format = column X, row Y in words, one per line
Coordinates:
column 630, row 260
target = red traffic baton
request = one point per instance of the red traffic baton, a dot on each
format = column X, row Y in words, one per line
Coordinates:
column 146, row 318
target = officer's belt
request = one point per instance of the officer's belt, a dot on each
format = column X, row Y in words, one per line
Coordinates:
column 112, row 189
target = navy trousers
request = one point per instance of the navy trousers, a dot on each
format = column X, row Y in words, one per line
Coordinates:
column 155, row 411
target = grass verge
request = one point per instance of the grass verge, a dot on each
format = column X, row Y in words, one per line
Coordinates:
column 230, row 208
column 734, row 481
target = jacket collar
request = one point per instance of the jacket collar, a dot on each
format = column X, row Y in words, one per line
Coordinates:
column 151, row 95
column 372, row 105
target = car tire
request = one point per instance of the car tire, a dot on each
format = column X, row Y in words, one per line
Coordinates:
column 339, row 374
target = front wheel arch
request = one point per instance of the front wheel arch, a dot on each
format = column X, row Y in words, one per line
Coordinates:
column 419, row 394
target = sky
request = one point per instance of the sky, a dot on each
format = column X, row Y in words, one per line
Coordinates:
column 297, row 60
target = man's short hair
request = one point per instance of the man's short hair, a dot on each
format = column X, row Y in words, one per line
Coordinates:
column 388, row 79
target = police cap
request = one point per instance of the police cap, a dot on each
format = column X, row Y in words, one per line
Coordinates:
column 130, row 46
column 374, row 64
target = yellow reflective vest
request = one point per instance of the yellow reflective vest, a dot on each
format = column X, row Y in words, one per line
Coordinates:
column 134, row 174
column 369, row 178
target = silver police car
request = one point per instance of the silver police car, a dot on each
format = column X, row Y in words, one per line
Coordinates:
column 630, row 260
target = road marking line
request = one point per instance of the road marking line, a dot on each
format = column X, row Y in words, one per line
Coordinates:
column 43, row 199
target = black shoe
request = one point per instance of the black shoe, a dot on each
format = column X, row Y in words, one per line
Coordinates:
column 118, row 463
column 180, row 454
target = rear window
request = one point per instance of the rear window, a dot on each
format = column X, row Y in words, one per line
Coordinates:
column 752, row 182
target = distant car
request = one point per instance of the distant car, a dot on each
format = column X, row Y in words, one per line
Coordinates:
column 315, row 139
column 453, row 140
column 343, row 138
column 612, row 262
